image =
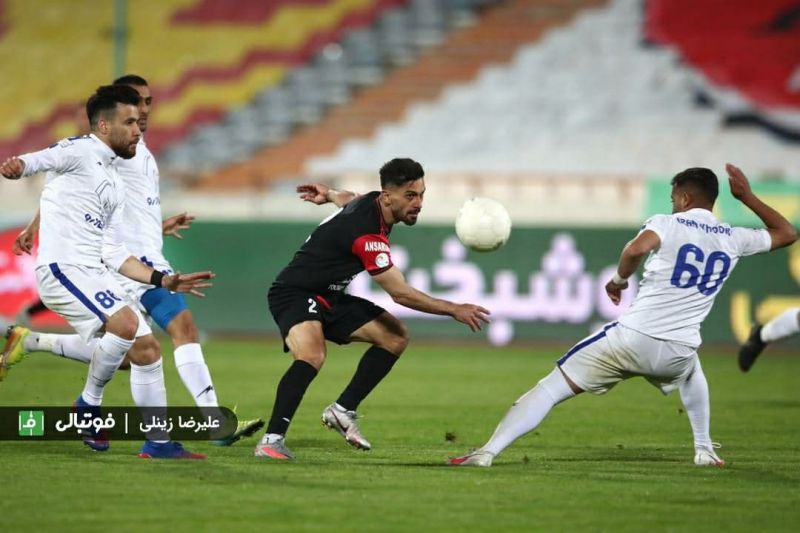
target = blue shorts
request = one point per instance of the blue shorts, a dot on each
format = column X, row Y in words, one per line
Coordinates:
column 163, row 305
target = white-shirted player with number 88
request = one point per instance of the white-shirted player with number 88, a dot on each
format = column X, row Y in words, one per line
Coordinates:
column 80, row 240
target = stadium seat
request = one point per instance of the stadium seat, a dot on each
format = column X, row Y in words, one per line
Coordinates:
column 587, row 98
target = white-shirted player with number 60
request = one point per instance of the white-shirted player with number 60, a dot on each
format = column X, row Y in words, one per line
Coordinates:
column 691, row 254
column 81, row 239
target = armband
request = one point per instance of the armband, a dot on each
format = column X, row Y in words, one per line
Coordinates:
column 156, row 277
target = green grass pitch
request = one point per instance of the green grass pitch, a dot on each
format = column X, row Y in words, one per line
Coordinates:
column 621, row 462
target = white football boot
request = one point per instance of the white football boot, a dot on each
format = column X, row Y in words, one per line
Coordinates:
column 706, row 456
column 474, row 458
column 273, row 446
column 345, row 422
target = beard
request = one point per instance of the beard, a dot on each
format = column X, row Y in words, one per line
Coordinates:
column 125, row 151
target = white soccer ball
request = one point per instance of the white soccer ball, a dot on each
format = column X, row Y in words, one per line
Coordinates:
column 483, row 224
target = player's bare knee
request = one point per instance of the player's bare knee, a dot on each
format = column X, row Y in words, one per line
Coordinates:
column 183, row 330
column 397, row 342
column 315, row 358
column 394, row 336
column 124, row 323
column 145, row 351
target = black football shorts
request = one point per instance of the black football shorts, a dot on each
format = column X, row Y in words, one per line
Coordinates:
column 341, row 314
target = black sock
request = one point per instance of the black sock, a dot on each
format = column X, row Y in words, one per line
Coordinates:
column 373, row 367
column 290, row 391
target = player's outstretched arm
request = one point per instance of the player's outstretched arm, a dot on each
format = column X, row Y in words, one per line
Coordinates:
column 631, row 257
column 318, row 193
column 12, row 168
column 174, row 224
column 782, row 232
column 191, row 283
column 23, row 244
column 394, row 283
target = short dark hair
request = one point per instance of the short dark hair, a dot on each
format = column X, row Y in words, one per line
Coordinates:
column 701, row 180
column 106, row 98
column 399, row 171
column 131, row 79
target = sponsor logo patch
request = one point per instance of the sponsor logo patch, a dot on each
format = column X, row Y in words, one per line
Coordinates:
column 382, row 260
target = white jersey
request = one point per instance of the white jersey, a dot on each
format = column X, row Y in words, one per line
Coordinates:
column 684, row 275
column 142, row 215
column 81, row 204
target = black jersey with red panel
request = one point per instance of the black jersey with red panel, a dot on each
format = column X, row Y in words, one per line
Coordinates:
column 354, row 239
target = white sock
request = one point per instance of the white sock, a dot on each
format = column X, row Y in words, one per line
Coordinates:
column 529, row 411
column 41, row 342
column 69, row 346
column 74, row 347
column 150, row 394
column 195, row 374
column 694, row 395
column 784, row 325
column 107, row 356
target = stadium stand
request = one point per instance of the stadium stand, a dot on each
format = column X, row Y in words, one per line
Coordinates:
column 360, row 57
column 552, row 101
column 587, row 98
column 209, row 56
column 459, row 58
column 751, row 69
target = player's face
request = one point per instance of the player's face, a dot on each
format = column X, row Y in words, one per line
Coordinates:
column 144, row 105
column 122, row 131
column 679, row 200
column 405, row 201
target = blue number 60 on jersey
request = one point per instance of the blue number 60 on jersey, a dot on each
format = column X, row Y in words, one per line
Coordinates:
column 690, row 260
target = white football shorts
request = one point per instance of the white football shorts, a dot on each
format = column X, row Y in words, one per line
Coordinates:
column 602, row 360
column 85, row 297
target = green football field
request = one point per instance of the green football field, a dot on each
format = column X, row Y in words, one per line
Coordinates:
column 618, row 462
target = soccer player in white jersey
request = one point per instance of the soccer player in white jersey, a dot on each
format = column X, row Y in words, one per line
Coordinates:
column 691, row 254
column 81, row 239
column 142, row 234
column 786, row 324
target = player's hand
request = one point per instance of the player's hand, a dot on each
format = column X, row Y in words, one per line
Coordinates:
column 188, row 282
column 23, row 244
column 614, row 291
column 472, row 315
column 176, row 223
column 316, row 193
column 12, row 168
column 740, row 187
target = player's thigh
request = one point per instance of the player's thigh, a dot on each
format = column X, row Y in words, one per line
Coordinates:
column 592, row 363
column 350, row 314
column 86, row 298
column 290, row 306
column 386, row 331
column 666, row 365
column 163, row 306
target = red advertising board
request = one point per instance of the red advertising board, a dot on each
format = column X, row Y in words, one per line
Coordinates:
column 18, row 281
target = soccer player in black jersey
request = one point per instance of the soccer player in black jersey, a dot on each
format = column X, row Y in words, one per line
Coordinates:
column 310, row 305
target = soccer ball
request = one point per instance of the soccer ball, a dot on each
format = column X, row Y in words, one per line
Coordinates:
column 483, row 224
